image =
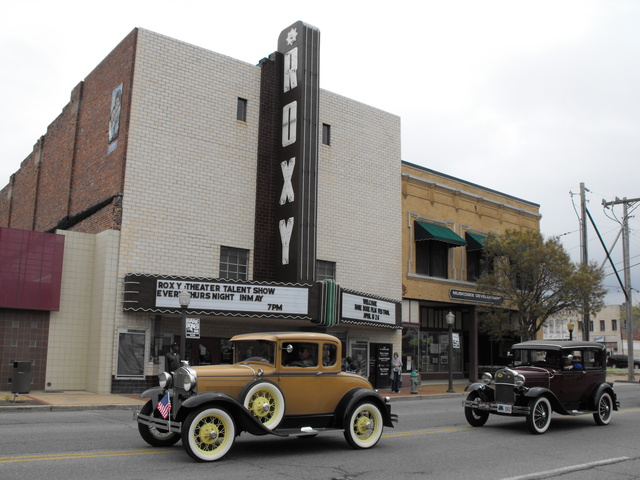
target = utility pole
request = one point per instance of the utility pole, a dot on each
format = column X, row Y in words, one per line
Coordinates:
column 584, row 259
column 627, row 278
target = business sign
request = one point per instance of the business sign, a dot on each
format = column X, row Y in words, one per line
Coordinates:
column 233, row 297
column 192, row 328
column 475, row 297
column 208, row 296
column 368, row 309
column 296, row 208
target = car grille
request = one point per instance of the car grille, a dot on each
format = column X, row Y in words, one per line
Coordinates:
column 504, row 387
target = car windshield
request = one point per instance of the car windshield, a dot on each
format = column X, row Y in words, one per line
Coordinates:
column 254, row 351
column 541, row 358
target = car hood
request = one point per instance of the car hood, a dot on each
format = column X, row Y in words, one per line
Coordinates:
column 534, row 376
column 243, row 370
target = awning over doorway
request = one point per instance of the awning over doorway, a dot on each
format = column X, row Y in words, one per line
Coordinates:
column 474, row 241
column 430, row 231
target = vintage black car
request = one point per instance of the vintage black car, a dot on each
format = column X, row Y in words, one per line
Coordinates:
column 285, row 384
column 566, row 377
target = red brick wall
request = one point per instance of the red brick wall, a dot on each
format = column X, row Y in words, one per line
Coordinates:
column 71, row 170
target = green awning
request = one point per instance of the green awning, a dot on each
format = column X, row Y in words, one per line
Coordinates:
column 429, row 231
column 474, row 241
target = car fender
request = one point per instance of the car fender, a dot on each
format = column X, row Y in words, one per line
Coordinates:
column 556, row 405
column 355, row 396
column 245, row 421
column 487, row 394
column 154, row 394
column 599, row 390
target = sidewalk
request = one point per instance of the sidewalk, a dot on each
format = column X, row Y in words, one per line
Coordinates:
column 70, row 401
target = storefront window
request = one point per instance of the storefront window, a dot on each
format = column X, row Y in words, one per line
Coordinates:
column 130, row 353
column 359, row 352
column 428, row 351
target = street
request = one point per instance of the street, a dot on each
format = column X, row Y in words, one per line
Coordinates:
column 432, row 440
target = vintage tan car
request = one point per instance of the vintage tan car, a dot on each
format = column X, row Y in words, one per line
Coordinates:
column 286, row 384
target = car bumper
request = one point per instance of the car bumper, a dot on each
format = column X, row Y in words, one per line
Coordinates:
column 499, row 408
column 159, row 423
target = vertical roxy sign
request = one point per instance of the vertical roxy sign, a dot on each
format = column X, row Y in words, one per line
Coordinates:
column 299, row 45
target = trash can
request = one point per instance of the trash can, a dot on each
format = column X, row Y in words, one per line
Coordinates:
column 21, row 379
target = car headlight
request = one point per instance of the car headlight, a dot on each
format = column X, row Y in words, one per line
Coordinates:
column 189, row 380
column 486, row 378
column 518, row 380
column 165, row 379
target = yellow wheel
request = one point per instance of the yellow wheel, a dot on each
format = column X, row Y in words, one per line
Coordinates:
column 208, row 434
column 265, row 402
column 364, row 428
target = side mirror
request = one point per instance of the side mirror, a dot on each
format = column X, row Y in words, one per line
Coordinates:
column 288, row 348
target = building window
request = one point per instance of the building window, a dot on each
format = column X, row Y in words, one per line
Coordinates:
column 432, row 259
column 614, row 325
column 602, row 326
column 234, row 263
column 241, row 113
column 591, row 325
column 130, row 353
column 477, row 265
column 325, row 270
column 326, row 134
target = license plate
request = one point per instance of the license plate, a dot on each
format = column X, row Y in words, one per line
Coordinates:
column 504, row 408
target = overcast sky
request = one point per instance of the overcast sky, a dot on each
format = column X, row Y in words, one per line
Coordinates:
column 529, row 98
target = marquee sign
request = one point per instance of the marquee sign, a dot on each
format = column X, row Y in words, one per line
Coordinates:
column 212, row 297
column 370, row 310
column 299, row 45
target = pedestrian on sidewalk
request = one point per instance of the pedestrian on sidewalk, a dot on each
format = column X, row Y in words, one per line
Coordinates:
column 396, row 367
column 173, row 358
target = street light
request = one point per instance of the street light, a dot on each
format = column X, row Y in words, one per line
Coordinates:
column 450, row 318
column 570, row 326
column 184, row 298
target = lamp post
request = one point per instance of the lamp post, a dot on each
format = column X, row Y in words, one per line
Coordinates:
column 450, row 318
column 184, row 298
column 570, row 326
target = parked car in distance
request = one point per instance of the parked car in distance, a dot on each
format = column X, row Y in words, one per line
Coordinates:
column 621, row 361
column 285, row 384
column 566, row 377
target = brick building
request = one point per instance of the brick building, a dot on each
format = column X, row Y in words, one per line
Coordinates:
column 166, row 172
column 445, row 220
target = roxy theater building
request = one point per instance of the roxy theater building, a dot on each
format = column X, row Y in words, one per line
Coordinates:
column 175, row 170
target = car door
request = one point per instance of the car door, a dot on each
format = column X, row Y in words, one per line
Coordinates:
column 579, row 378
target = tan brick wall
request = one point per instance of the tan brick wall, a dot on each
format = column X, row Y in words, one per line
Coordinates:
column 461, row 206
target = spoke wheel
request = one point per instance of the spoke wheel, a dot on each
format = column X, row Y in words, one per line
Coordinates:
column 208, row 434
column 605, row 408
column 475, row 417
column 364, row 428
column 265, row 402
column 539, row 418
column 152, row 435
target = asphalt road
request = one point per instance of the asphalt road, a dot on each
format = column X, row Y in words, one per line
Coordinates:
column 432, row 441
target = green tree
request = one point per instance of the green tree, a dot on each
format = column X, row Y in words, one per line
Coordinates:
column 537, row 280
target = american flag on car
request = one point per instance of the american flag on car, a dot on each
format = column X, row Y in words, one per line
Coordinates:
column 164, row 405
